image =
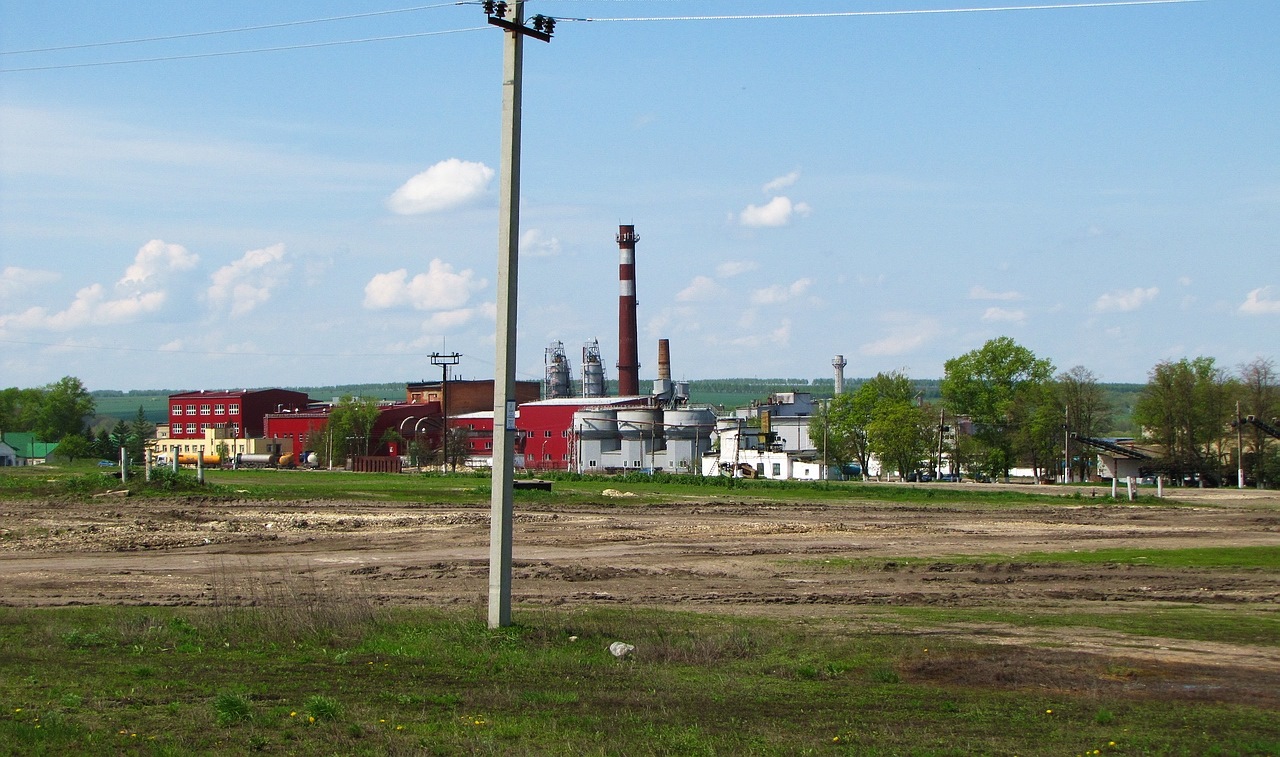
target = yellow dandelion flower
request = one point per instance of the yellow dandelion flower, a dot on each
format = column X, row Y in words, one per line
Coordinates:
column 835, row 738
column 311, row 718
column 293, row 714
column 399, row 728
column 1048, row 712
column 17, row 709
column 1111, row 743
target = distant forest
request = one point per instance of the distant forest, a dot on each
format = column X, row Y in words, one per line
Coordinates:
column 723, row 394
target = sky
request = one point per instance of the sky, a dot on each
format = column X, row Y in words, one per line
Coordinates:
column 1101, row 184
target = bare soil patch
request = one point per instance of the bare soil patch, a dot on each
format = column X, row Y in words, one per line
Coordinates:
column 721, row 556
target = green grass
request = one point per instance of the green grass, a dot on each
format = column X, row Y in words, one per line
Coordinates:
column 85, row 478
column 437, row 682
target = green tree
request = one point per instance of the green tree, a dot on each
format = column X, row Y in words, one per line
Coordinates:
column 848, row 417
column 1087, row 411
column 899, row 434
column 119, row 439
column 20, row 408
column 65, row 407
column 73, row 447
column 351, row 424
column 1186, row 408
column 142, row 433
column 103, row 447
column 997, row 386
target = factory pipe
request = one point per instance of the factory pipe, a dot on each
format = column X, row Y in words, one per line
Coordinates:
column 628, row 346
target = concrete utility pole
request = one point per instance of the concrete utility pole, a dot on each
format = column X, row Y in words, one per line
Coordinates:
column 1239, row 449
column 504, row 402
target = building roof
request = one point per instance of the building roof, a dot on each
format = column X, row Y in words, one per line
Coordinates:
column 588, row 401
column 25, row 444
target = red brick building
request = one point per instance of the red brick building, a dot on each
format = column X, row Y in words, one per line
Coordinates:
column 241, row 412
column 469, row 396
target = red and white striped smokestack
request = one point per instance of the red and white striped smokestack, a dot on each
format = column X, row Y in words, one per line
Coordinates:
column 628, row 345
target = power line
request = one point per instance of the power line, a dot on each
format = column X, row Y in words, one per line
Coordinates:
column 236, row 30
column 909, row 12
column 209, row 353
column 225, row 53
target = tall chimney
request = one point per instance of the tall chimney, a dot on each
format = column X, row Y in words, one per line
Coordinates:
column 628, row 346
column 838, row 362
column 664, row 359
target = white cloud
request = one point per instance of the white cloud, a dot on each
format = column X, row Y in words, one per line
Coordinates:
column 14, row 280
column 979, row 292
column 91, row 307
column 447, row 320
column 779, row 293
column 1125, row 301
column 782, row 182
column 1259, row 302
column 1002, row 315
column 780, row 336
column 701, row 289
column 534, row 243
column 776, row 212
column 905, row 333
column 156, row 258
column 448, row 184
column 247, row 283
column 731, row 268
column 440, row 288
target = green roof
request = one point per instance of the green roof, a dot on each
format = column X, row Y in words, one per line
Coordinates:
column 27, row 445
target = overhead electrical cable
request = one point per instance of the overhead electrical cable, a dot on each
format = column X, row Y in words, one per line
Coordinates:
column 235, row 30
column 906, row 12
column 225, row 53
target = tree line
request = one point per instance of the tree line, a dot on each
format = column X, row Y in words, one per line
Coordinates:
column 1001, row 406
column 59, row 412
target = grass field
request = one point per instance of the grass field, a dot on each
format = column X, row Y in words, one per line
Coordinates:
column 86, row 477
column 286, row 665
column 336, row 676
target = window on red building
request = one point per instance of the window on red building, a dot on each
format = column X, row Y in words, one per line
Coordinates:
column 219, row 409
column 233, row 410
column 175, row 410
column 191, row 409
column 191, row 428
column 204, row 409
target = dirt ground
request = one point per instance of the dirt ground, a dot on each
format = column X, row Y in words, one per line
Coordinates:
column 722, row 556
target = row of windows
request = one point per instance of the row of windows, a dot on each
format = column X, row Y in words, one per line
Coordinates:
column 205, row 409
column 191, row 428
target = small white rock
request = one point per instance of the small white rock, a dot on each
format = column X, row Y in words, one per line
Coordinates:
column 621, row 649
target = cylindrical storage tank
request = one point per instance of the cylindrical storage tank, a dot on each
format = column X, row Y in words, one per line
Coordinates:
column 595, row 424
column 689, row 424
column 255, row 459
column 592, row 370
column 642, row 423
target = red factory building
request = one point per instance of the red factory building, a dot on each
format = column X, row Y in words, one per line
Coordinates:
column 241, row 412
column 544, row 430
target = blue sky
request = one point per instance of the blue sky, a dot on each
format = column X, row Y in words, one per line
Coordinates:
column 1101, row 184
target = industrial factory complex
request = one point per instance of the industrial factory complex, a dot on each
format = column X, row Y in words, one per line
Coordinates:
column 561, row 423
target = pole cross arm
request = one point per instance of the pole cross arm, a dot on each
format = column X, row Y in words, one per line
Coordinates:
column 519, row 29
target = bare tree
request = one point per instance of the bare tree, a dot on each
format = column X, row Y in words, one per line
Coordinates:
column 1259, row 397
column 1086, row 409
